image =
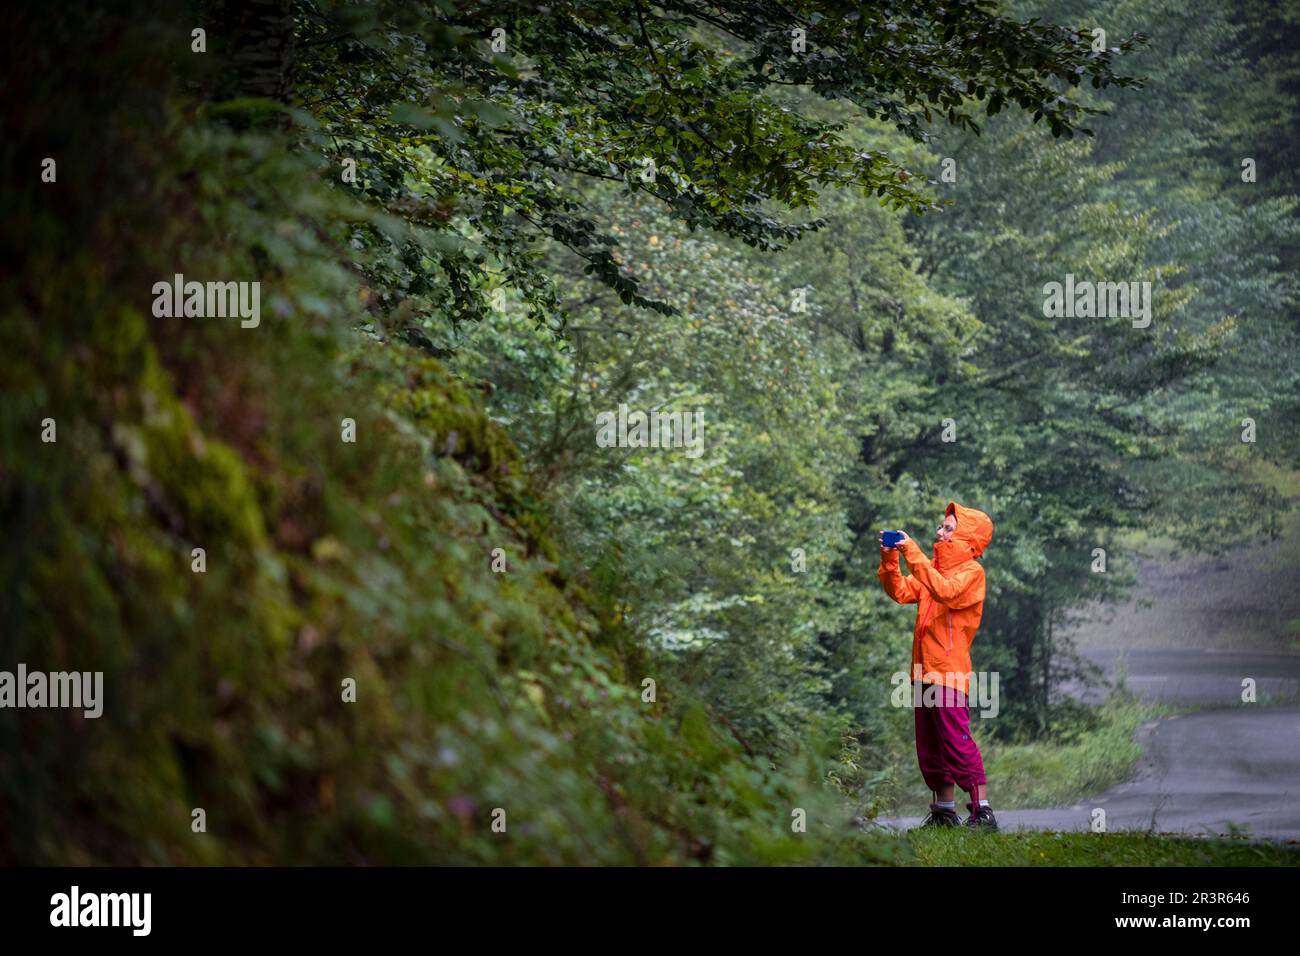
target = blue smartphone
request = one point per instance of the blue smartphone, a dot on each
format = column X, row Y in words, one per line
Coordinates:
column 892, row 539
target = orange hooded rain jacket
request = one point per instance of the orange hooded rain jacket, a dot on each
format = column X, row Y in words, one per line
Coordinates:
column 948, row 593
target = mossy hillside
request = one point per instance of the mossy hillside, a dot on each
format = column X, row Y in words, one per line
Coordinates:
column 231, row 678
column 325, row 560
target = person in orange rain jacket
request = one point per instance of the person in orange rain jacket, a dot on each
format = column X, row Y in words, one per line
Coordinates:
column 949, row 596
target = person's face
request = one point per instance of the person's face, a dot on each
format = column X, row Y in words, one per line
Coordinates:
column 945, row 530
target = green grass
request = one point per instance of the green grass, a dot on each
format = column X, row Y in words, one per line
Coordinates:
column 1031, row 848
column 1049, row 774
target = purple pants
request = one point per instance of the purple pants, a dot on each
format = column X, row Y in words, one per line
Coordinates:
column 944, row 746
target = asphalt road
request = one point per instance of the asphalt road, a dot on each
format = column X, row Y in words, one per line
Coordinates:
column 1200, row 677
column 1200, row 774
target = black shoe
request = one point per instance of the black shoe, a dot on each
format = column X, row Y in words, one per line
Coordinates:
column 981, row 818
column 940, row 817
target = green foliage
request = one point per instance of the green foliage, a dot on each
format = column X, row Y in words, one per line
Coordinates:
column 492, row 148
column 1085, row 426
column 325, row 561
column 500, row 273
column 701, row 548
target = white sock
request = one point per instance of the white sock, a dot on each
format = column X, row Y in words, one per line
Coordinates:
column 984, row 803
column 946, row 804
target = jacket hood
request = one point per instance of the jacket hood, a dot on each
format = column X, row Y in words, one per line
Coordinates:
column 973, row 534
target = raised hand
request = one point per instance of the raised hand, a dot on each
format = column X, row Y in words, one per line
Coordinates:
column 884, row 547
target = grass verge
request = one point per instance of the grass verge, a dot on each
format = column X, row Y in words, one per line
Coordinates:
column 1054, row 773
column 1033, row 848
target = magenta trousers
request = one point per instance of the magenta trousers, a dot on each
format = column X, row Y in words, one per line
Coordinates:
column 944, row 747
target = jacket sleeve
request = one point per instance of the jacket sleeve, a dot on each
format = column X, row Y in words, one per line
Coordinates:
column 962, row 589
column 902, row 589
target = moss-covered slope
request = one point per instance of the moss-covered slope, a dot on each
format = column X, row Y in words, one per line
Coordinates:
column 482, row 696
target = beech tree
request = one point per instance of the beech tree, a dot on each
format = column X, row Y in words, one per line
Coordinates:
column 477, row 122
